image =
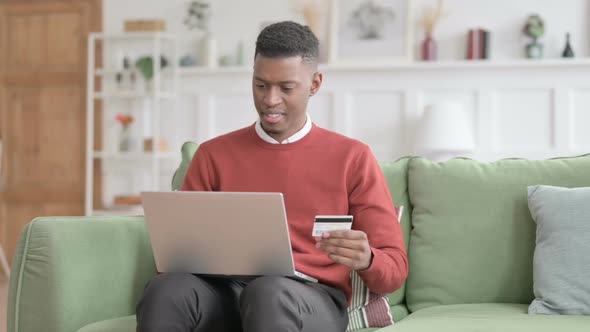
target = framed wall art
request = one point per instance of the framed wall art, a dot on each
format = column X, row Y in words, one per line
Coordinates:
column 373, row 31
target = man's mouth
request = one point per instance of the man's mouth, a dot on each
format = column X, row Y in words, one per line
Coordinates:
column 273, row 118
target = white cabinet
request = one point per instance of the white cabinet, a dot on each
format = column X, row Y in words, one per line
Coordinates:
column 140, row 155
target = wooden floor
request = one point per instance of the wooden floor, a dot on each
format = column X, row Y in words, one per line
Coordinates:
column 3, row 296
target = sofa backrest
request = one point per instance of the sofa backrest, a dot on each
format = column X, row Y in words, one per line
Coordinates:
column 396, row 174
column 187, row 152
column 473, row 237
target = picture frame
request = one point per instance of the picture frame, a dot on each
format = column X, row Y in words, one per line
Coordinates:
column 370, row 31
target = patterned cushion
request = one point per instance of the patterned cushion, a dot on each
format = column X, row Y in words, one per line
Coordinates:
column 368, row 309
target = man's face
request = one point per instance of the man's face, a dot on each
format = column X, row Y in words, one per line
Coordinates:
column 281, row 89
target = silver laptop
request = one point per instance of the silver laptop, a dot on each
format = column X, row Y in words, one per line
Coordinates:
column 220, row 233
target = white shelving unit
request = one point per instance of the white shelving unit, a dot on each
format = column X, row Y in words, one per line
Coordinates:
column 114, row 100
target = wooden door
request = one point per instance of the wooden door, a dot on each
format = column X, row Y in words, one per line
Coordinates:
column 43, row 52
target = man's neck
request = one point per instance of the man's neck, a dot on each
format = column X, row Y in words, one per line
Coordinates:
column 286, row 138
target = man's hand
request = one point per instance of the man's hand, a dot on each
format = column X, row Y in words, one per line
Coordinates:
column 350, row 248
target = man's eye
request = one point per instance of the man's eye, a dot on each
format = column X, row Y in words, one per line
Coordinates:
column 287, row 88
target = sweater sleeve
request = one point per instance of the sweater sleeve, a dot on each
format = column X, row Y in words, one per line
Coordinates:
column 200, row 176
column 374, row 213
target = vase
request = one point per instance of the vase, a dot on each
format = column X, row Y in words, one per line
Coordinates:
column 208, row 51
column 534, row 50
column 568, row 51
column 428, row 48
column 125, row 140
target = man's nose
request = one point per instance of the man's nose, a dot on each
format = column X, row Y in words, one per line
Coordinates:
column 272, row 97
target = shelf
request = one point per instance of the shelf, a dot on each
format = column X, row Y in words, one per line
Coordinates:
column 134, row 95
column 131, row 210
column 463, row 64
column 198, row 70
column 101, row 72
column 134, row 36
column 143, row 96
column 135, row 155
column 409, row 65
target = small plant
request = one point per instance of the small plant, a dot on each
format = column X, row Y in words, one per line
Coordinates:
column 534, row 27
column 313, row 12
column 198, row 15
column 432, row 17
column 145, row 65
column 125, row 120
column 125, row 139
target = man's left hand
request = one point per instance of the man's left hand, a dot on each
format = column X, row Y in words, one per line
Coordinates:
column 349, row 248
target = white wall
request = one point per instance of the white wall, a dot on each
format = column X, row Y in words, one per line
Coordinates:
column 521, row 109
column 516, row 108
column 235, row 20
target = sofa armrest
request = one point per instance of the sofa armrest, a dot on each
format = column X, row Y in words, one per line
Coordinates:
column 72, row 271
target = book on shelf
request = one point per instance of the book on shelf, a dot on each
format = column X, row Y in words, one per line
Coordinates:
column 478, row 44
column 145, row 25
column 127, row 200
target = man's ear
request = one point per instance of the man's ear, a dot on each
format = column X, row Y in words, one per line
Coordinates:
column 316, row 83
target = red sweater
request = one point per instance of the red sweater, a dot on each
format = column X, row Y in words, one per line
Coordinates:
column 324, row 173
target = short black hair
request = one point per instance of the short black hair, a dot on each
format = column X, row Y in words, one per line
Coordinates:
column 288, row 39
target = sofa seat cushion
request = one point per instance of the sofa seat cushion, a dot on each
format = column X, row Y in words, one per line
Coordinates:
column 121, row 324
column 128, row 324
column 490, row 317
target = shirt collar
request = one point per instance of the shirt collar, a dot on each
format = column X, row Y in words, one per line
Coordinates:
column 294, row 138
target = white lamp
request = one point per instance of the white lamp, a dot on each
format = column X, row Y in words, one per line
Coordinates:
column 444, row 132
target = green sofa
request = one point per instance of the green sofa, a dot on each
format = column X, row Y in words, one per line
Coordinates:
column 470, row 242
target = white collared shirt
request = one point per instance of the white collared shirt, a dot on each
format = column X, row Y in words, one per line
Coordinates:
column 294, row 138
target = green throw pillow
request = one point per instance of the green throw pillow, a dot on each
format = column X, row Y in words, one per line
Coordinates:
column 561, row 264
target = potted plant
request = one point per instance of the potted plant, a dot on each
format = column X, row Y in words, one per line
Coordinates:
column 145, row 65
column 125, row 139
column 199, row 13
column 430, row 19
column 534, row 28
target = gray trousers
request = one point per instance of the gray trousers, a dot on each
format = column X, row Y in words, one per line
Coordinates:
column 176, row 302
